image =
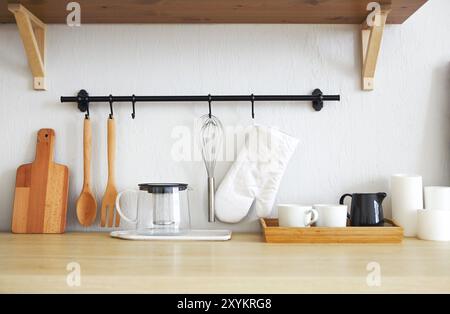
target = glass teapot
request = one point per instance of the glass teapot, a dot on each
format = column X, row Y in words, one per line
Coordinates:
column 159, row 207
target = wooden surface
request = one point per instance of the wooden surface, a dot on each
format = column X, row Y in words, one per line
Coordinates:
column 38, row 263
column 40, row 201
column 275, row 234
column 214, row 11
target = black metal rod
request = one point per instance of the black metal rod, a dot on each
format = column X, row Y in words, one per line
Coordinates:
column 203, row 98
column 83, row 99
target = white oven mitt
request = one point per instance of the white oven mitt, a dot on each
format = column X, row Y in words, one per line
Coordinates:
column 255, row 175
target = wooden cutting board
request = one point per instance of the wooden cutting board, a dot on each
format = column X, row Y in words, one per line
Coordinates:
column 40, row 201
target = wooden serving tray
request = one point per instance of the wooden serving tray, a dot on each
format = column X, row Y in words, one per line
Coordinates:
column 390, row 233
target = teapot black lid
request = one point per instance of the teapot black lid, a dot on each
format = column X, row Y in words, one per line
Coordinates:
column 162, row 187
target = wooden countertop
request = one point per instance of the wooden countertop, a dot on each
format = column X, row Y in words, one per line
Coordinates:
column 38, row 263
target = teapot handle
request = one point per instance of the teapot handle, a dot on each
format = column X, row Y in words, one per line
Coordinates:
column 119, row 210
column 341, row 201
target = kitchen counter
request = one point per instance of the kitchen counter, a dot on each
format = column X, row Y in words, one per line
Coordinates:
column 49, row 263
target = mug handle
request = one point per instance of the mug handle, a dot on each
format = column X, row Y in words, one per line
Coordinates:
column 341, row 202
column 314, row 216
column 119, row 210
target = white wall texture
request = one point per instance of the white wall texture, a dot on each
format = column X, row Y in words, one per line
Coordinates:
column 354, row 145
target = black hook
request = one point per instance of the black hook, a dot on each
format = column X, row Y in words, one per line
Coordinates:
column 209, row 105
column 111, row 115
column 133, row 102
column 252, row 97
column 86, row 116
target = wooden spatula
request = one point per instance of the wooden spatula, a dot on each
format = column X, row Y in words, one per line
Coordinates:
column 40, row 201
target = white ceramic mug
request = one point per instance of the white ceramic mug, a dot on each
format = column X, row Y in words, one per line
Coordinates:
column 331, row 215
column 291, row 215
column 437, row 197
column 433, row 225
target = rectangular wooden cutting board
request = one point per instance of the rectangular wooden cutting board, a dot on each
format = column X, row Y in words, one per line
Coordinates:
column 40, row 200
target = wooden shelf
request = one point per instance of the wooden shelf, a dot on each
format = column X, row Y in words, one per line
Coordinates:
column 214, row 11
column 32, row 16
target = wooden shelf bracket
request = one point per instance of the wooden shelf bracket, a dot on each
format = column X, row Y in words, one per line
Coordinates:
column 32, row 31
column 371, row 37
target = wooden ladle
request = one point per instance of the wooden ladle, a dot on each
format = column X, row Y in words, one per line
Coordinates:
column 86, row 203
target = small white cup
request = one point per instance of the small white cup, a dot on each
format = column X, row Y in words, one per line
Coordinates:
column 437, row 197
column 433, row 225
column 292, row 215
column 331, row 215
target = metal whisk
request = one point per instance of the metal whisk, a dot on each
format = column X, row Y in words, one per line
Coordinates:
column 211, row 139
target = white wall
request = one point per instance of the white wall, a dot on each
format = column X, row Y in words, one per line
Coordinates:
column 354, row 145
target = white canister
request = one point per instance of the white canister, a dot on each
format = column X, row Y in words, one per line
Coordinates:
column 437, row 197
column 433, row 225
column 406, row 199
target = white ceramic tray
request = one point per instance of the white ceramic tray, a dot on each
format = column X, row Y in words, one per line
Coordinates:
column 189, row 235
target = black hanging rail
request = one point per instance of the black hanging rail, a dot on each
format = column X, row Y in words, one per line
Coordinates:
column 83, row 99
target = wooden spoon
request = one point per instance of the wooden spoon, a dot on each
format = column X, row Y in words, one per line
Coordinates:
column 86, row 203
